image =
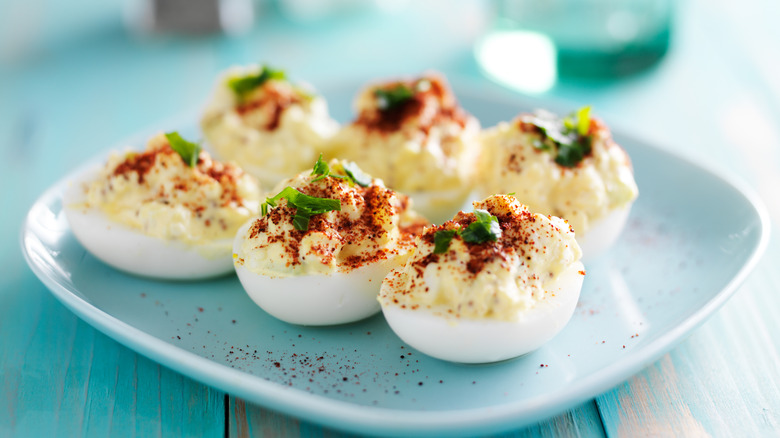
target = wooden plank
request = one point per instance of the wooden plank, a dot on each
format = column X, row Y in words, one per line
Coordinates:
column 582, row 421
column 251, row 420
column 70, row 413
column 247, row 420
column 129, row 417
column 60, row 377
column 30, row 384
column 190, row 409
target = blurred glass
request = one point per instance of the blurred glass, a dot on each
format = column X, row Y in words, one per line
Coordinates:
column 189, row 16
column 603, row 39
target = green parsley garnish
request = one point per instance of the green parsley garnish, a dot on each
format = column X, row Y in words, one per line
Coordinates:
column 356, row 174
column 321, row 168
column 353, row 172
column 242, row 85
column 393, row 97
column 306, row 206
column 187, row 150
column 485, row 229
column 442, row 239
column 399, row 94
column 583, row 120
column 567, row 138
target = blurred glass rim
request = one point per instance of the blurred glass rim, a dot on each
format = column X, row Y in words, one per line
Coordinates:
column 201, row 16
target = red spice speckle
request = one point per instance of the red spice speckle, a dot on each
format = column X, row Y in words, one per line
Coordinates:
column 376, row 202
column 274, row 99
column 427, row 108
column 206, row 170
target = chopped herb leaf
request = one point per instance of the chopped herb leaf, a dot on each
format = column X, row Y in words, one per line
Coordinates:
column 393, row 97
column 552, row 129
column 442, row 239
column 286, row 193
column 567, row 138
column 571, row 154
column 242, row 85
column 306, row 206
column 188, row 151
column 301, row 220
column 583, row 120
column 485, row 228
column 356, row 174
column 352, row 171
column 320, row 168
column 568, row 123
column 315, row 205
column 299, row 200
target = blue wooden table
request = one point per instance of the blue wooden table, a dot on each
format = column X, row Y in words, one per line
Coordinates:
column 71, row 84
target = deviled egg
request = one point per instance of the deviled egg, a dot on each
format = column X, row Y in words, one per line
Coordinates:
column 413, row 135
column 271, row 127
column 167, row 212
column 318, row 253
column 486, row 286
column 568, row 167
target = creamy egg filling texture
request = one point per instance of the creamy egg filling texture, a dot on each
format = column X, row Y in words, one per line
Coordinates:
column 269, row 126
column 158, row 194
column 583, row 181
column 413, row 135
column 494, row 280
column 372, row 224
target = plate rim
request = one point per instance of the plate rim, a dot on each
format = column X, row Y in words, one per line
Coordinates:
column 352, row 417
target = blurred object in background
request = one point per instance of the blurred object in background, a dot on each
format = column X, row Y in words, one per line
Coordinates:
column 535, row 42
column 29, row 28
column 189, row 16
column 315, row 10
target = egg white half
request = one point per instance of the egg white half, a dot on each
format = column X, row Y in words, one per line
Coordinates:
column 315, row 299
column 266, row 177
column 485, row 340
column 131, row 251
column 438, row 206
column 603, row 233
